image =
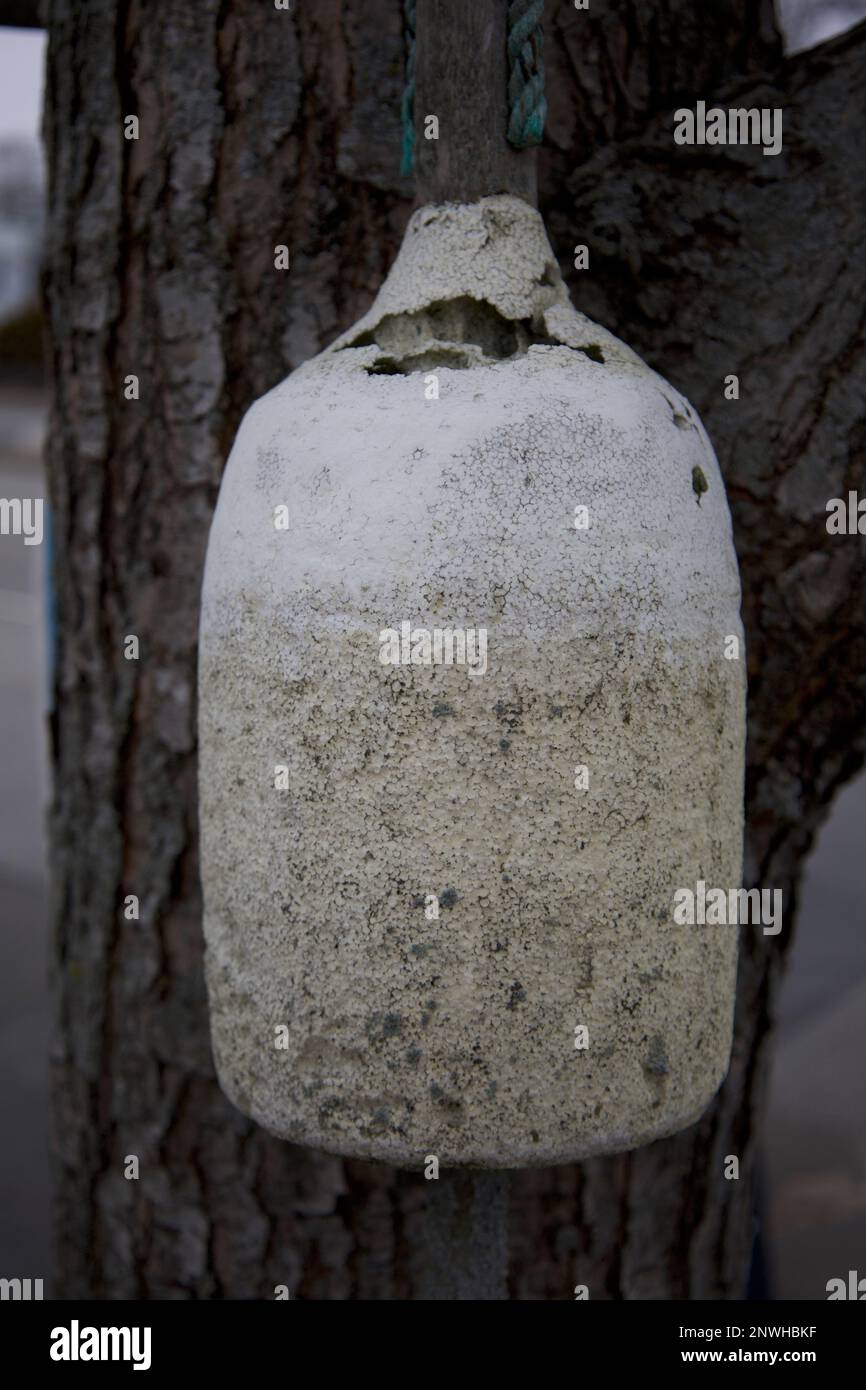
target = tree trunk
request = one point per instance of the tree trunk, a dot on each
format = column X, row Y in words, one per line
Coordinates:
column 261, row 127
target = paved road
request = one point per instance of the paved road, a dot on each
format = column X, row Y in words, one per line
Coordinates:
column 816, row 1124
column 24, row 1010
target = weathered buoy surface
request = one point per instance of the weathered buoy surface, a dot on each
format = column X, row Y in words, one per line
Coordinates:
column 354, row 784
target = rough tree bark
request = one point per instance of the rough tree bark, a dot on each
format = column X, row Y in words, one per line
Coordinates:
column 261, row 127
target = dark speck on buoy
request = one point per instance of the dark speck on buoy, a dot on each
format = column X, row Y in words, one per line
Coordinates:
column 516, row 996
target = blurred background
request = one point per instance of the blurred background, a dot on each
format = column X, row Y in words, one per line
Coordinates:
column 814, row 1160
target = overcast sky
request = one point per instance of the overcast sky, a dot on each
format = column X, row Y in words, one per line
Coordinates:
column 22, row 55
column 812, row 21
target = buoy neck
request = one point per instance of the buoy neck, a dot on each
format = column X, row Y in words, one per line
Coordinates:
column 494, row 251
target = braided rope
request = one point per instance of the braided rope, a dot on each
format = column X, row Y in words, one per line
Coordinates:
column 408, row 103
column 527, row 106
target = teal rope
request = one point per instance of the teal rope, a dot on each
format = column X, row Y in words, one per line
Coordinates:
column 527, row 106
column 408, row 104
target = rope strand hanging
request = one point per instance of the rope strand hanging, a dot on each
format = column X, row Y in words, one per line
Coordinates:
column 408, row 103
column 527, row 106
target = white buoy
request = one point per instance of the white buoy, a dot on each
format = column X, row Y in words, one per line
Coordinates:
column 439, row 895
